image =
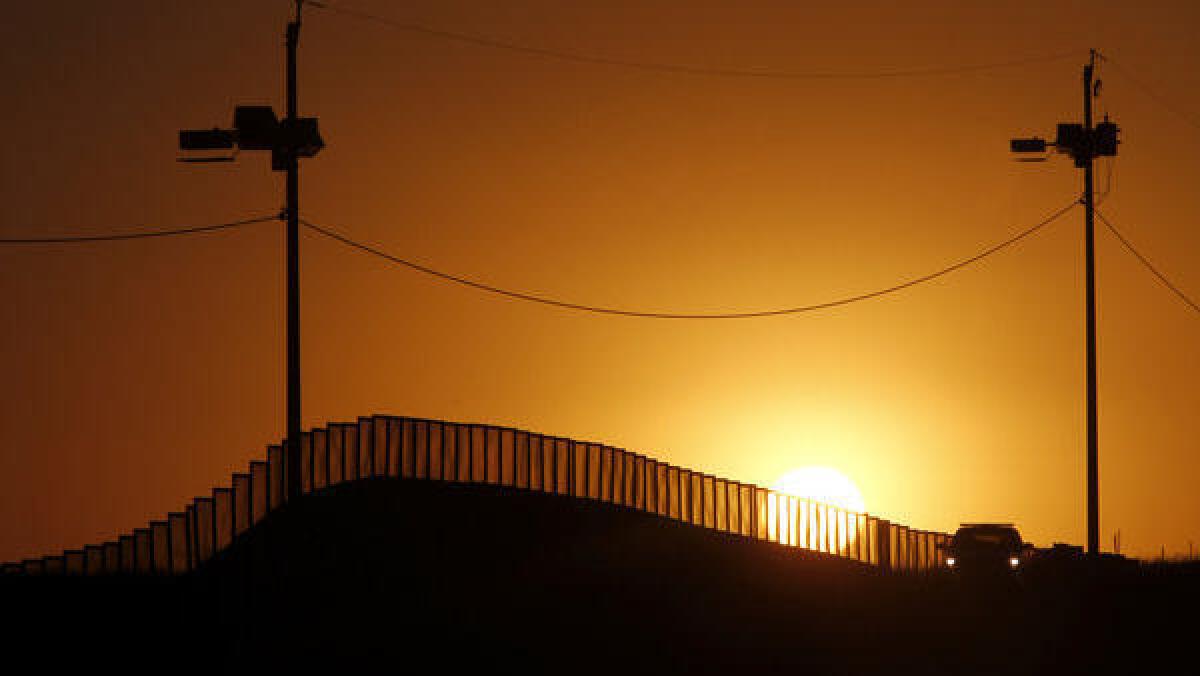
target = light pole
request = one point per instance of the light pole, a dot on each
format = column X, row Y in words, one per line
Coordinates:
column 294, row 137
column 1084, row 143
column 292, row 158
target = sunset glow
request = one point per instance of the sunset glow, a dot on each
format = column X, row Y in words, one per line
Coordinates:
column 816, row 509
column 822, row 484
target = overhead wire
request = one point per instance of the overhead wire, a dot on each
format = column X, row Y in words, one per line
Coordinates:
column 650, row 314
column 1146, row 262
column 678, row 68
column 1150, row 92
column 118, row 237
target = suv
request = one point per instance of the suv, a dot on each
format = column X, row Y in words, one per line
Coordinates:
column 985, row 547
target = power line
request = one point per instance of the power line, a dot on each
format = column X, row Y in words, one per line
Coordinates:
column 193, row 230
column 1149, row 266
column 1163, row 101
column 495, row 43
column 543, row 300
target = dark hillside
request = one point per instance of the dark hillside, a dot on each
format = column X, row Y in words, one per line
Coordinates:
column 463, row 578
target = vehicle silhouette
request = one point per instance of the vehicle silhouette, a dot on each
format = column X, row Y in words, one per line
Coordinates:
column 985, row 548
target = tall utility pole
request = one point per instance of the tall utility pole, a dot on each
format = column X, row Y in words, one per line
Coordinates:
column 289, row 140
column 293, row 268
column 1084, row 143
column 1089, row 203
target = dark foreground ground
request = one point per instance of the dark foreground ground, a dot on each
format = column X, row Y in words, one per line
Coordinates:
column 435, row 578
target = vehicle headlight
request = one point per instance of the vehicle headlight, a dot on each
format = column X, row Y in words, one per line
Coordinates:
column 1013, row 562
column 950, row 561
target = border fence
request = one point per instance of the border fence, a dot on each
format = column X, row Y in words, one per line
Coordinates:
column 411, row 448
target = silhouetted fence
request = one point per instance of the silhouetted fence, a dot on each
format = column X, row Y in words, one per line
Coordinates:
column 385, row 446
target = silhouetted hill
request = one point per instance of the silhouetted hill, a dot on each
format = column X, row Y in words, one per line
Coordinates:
column 464, row 577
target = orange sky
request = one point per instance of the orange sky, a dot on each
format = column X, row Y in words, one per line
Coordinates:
column 140, row 374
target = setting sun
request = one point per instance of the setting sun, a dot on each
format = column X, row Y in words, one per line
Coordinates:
column 821, row 484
